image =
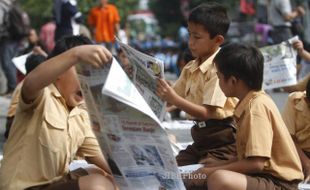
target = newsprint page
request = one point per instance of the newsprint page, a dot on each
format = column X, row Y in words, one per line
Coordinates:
column 126, row 117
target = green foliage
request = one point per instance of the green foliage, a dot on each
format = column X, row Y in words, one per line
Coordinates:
column 168, row 14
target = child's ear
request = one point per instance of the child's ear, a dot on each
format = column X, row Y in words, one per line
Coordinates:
column 219, row 39
column 234, row 80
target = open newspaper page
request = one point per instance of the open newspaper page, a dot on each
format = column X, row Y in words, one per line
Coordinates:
column 145, row 70
column 280, row 65
column 129, row 133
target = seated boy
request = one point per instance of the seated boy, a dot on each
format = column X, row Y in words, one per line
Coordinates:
column 267, row 157
column 51, row 125
column 296, row 117
column 197, row 92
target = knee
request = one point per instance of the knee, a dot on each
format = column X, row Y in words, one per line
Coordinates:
column 219, row 180
column 96, row 182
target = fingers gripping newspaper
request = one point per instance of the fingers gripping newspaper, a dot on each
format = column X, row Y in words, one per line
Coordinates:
column 125, row 114
column 280, row 65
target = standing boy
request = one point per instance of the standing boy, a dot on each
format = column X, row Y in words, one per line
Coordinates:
column 51, row 126
column 197, row 91
column 104, row 22
column 267, row 157
column 296, row 115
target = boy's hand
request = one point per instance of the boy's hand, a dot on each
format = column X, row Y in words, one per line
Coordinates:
column 95, row 55
column 298, row 45
column 165, row 92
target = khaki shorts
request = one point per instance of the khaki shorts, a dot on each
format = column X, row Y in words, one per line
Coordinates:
column 68, row 182
column 268, row 182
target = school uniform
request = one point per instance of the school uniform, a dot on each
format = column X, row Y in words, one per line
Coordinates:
column 199, row 84
column 45, row 137
column 261, row 132
column 296, row 117
column 12, row 109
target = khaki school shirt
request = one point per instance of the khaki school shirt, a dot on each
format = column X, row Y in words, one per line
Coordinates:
column 44, row 139
column 296, row 115
column 261, row 132
column 199, row 84
column 14, row 100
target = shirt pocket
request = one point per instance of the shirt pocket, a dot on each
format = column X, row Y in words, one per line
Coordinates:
column 53, row 133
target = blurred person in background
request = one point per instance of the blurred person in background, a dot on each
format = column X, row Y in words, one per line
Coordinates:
column 67, row 17
column 104, row 22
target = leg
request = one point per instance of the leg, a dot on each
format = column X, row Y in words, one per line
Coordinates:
column 7, row 51
column 95, row 182
column 188, row 156
column 228, row 180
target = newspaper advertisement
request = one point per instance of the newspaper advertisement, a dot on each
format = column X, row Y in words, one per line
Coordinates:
column 129, row 132
column 145, row 70
column 280, row 65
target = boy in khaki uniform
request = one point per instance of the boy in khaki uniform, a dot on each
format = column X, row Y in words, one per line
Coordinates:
column 267, row 157
column 197, row 91
column 51, row 126
column 296, row 115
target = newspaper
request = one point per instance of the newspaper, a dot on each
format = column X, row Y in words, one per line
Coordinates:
column 128, row 129
column 145, row 69
column 280, row 65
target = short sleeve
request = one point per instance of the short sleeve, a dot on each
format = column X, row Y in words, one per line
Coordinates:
column 39, row 100
column 260, row 133
column 289, row 116
column 180, row 84
column 116, row 15
column 213, row 95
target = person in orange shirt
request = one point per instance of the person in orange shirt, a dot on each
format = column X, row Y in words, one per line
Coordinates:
column 104, row 21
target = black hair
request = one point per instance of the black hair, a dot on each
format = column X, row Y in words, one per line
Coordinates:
column 33, row 61
column 245, row 62
column 212, row 16
column 308, row 89
column 67, row 42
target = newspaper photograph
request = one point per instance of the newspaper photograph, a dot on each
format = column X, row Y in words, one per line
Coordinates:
column 129, row 132
column 280, row 65
column 144, row 72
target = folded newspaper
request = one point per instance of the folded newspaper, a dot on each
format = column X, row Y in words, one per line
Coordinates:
column 280, row 64
column 126, row 117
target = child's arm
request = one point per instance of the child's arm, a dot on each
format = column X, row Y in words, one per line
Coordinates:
column 48, row 72
column 299, row 46
column 101, row 162
column 251, row 165
column 167, row 93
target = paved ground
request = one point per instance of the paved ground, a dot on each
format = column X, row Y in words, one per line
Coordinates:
column 183, row 136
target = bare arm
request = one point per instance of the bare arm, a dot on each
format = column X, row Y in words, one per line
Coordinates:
column 299, row 11
column 48, row 72
column 101, row 162
column 167, row 93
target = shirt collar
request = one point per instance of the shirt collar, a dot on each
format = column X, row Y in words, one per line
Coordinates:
column 76, row 110
column 241, row 106
column 204, row 67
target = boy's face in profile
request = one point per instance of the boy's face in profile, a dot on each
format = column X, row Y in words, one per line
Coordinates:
column 200, row 43
column 226, row 85
column 69, row 87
